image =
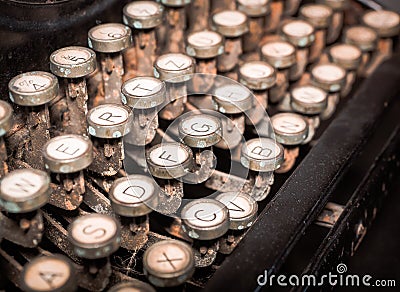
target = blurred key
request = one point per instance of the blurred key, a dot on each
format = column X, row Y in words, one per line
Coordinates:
column 49, row 273
column 320, row 16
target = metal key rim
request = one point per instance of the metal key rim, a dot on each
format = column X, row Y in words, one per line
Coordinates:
column 257, row 83
column 201, row 141
column 384, row 32
column 143, row 22
column 175, row 3
column 306, row 107
column 6, row 121
column 147, row 101
column 206, row 51
column 73, row 70
column 364, row 45
column 114, row 45
column 161, row 279
column 132, row 284
column 86, row 250
column 336, row 5
column 299, row 41
column 244, row 222
column 348, row 64
column 317, row 22
column 292, row 138
column 329, row 85
column 34, row 202
column 210, row 232
column 262, row 165
column 69, row 285
column 174, row 76
column 80, row 162
column 133, row 209
column 117, row 130
column 280, row 62
column 226, row 106
column 255, row 10
column 230, row 31
column 170, row 172
column 38, row 97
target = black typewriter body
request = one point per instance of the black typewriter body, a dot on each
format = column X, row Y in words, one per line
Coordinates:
column 316, row 213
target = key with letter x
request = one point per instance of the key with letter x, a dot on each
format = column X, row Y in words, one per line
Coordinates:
column 168, row 263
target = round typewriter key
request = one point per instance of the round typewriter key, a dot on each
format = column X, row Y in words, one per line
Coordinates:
column 143, row 14
column 94, row 236
column 254, row 8
column 280, row 54
column 33, row 88
column 67, row 153
column 205, row 219
column 133, row 196
column 361, row 36
column 168, row 263
column 334, row 4
column 6, row 117
column 330, row 77
column 386, row 23
column 289, row 128
column 175, row 3
column 204, row 44
column 109, row 121
column 262, row 154
column 109, row 37
column 143, row 92
column 257, row 75
column 242, row 209
column 346, row 55
column 49, row 273
column 174, row 67
column 232, row 99
column 132, row 286
column 317, row 14
column 308, row 99
column 24, row 190
column 169, row 160
column 230, row 23
column 299, row 32
column 73, row 62
column 200, row 131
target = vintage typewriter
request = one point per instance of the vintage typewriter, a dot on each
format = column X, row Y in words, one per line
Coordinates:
column 184, row 145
